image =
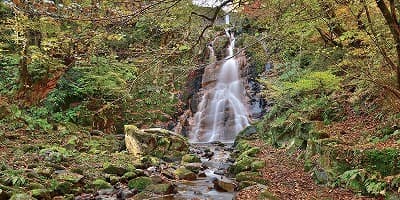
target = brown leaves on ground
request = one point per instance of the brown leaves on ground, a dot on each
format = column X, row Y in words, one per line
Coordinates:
column 288, row 180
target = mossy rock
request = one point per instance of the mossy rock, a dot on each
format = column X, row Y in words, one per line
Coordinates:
column 140, row 183
column 242, row 145
column 190, row 158
column 99, row 184
column 250, row 176
column 114, row 179
column 252, row 152
column 22, row 196
column 241, row 165
column 129, row 176
column 148, row 161
column 41, row 193
column 70, row 177
column 245, row 184
column 113, row 169
column 185, row 174
column 166, row 188
column 64, row 187
column 257, row 165
column 143, row 195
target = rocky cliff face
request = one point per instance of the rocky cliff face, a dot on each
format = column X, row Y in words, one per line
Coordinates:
column 204, row 80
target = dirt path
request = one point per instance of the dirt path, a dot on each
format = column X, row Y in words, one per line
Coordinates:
column 288, row 180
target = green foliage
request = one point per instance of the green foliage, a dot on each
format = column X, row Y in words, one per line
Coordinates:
column 55, row 154
column 13, row 177
column 384, row 161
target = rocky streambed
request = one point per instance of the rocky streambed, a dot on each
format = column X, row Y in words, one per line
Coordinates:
column 168, row 168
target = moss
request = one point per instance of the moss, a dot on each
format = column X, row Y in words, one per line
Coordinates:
column 242, row 165
column 140, row 183
column 266, row 195
column 190, row 158
column 99, row 184
column 250, row 176
column 384, row 161
column 160, row 188
column 253, row 151
column 113, row 169
column 129, row 176
column 41, row 193
column 257, row 165
column 185, row 174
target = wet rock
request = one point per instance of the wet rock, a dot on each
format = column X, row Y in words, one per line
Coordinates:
column 202, row 174
column 194, row 167
column 190, row 158
column 22, row 196
column 166, row 188
column 156, row 142
column 219, row 172
column 113, row 169
column 125, row 194
column 140, row 183
column 41, row 193
column 101, row 184
column 185, row 174
column 208, row 154
column 224, row 184
column 108, row 191
column 218, row 143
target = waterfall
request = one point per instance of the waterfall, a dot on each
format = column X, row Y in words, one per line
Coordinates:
column 222, row 111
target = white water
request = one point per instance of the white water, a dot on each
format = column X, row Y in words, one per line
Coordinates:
column 222, row 113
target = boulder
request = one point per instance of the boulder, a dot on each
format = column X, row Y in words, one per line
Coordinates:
column 140, row 183
column 224, row 184
column 69, row 176
column 113, row 169
column 244, row 164
column 99, row 184
column 166, row 188
column 194, row 167
column 185, row 174
column 156, row 142
column 190, row 158
column 257, row 165
column 129, row 176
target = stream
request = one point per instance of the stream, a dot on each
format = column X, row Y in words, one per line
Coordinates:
column 215, row 158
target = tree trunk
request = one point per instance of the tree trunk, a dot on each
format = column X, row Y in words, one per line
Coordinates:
column 391, row 20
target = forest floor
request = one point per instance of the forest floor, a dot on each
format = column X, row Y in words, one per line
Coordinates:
column 287, row 179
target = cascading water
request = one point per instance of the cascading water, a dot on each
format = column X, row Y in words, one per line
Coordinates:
column 222, row 113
